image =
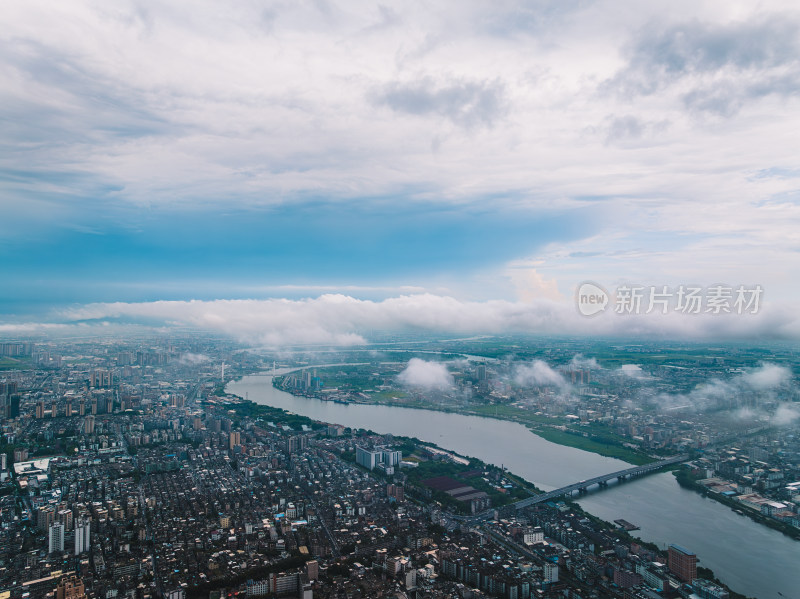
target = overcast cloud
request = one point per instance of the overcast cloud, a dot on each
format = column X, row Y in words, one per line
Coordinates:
column 655, row 141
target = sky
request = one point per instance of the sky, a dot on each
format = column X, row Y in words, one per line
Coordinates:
column 460, row 166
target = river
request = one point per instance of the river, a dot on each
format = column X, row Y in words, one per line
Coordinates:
column 751, row 558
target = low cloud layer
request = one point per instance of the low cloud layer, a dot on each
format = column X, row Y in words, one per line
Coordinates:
column 765, row 377
column 335, row 319
column 426, row 375
column 192, row 359
column 538, row 374
column 581, row 361
column 748, row 390
column 786, row 415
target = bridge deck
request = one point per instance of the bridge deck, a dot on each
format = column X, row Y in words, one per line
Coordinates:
column 634, row 471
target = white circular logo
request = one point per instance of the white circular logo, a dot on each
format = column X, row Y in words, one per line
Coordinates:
column 591, row 298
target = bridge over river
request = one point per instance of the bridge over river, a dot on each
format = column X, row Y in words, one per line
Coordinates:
column 580, row 486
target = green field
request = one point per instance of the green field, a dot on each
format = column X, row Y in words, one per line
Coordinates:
column 8, row 363
column 606, row 449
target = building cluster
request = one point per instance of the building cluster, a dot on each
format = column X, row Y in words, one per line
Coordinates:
column 384, row 459
column 126, row 471
column 460, row 491
column 761, row 475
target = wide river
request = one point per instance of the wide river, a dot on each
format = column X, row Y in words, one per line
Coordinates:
column 751, row 558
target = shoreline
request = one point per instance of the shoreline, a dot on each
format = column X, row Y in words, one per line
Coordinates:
column 574, row 504
column 685, row 481
column 549, row 432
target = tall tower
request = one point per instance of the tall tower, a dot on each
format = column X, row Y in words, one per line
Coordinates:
column 56, row 538
column 682, row 563
column 82, row 536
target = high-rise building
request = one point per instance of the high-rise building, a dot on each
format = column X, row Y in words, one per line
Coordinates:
column 367, row 458
column 101, row 378
column 682, row 563
column 8, row 387
column 40, row 409
column 296, row 443
column 395, row 491
column 89, row 428
column 82, row 536
column 70, row 588
column 16, row 349
column 235, row 439
column 391, row 457
column 370, row 458
column 9, row 400
column 312, row 569
column 56, row 538
column 45, row 516
column 550, row 572
column 65, row 517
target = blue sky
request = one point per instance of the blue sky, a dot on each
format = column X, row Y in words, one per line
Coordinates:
column 478, row 152
column 206, row 254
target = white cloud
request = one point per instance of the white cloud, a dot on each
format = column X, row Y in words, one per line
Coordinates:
column 633, row 371
column 427, row 375
column 754, row 385
column 581, row 361
column 786, row 414
column 343, row 320
column 530, row 285
column 538, row 373
column 192, row 359
column 188, row 104
column 766, row 376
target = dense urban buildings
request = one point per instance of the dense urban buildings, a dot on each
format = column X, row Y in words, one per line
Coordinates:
column 129, row 471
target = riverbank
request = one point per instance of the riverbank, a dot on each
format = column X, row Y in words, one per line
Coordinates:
column 665, row 512
column 605, row 445
column 685, row 479
column 314, row 420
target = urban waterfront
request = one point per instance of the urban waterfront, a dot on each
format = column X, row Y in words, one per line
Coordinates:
column 751, row 558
